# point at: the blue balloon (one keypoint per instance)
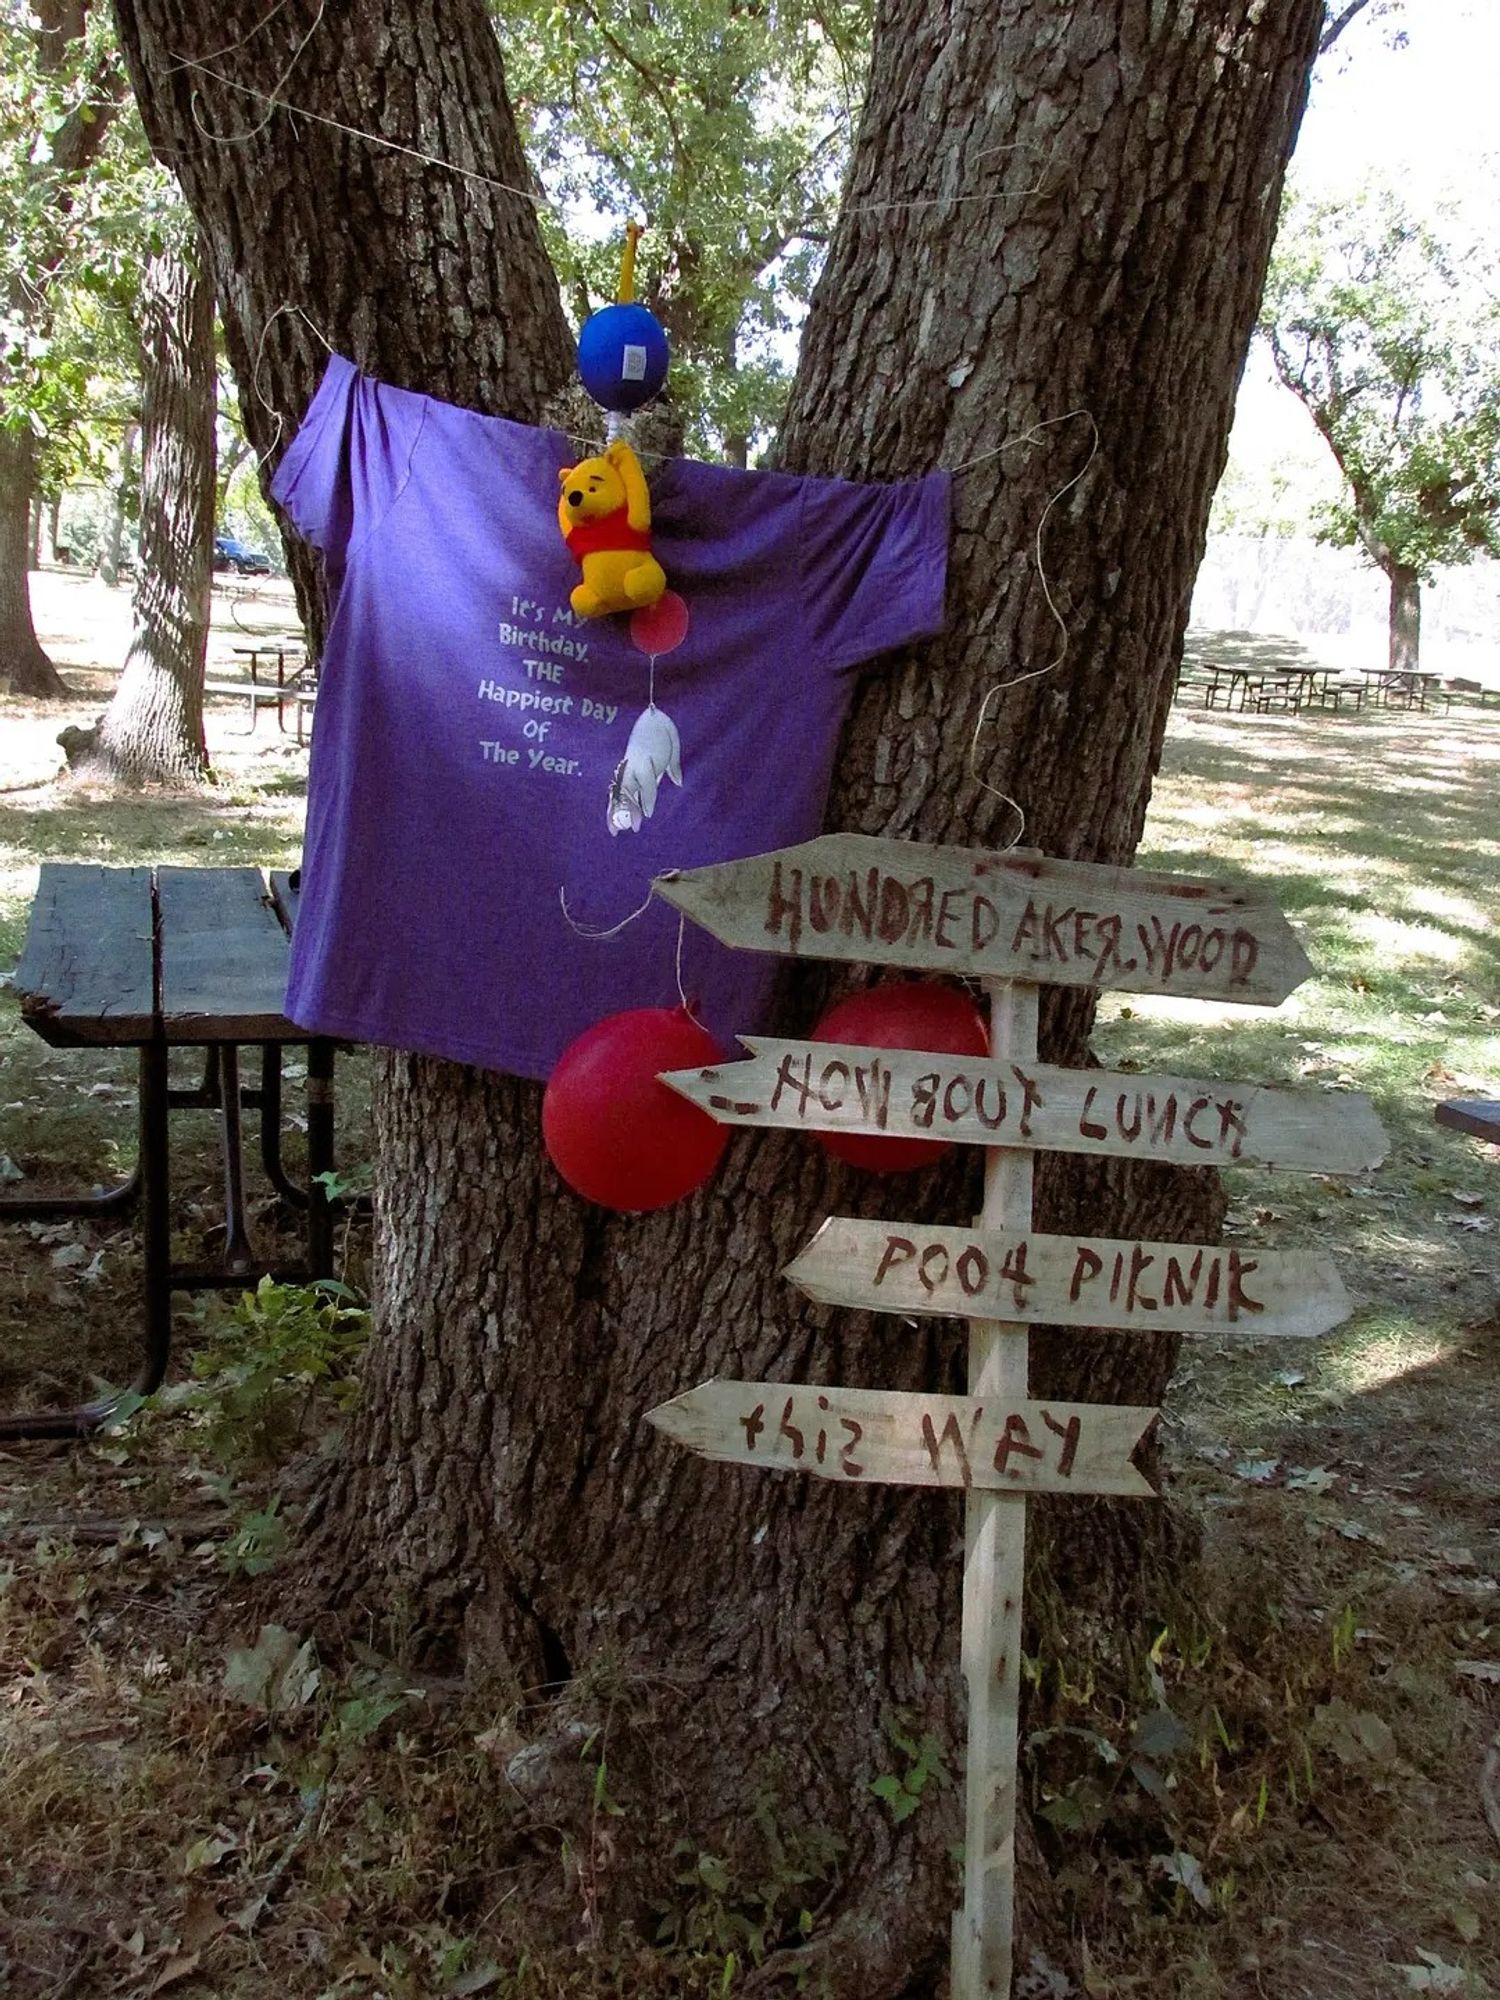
(622, 356)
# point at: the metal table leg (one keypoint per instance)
(319, 1158)
(239, 1250)
(268, 1101)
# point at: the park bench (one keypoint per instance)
(157, 959)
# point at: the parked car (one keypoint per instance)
(232, 555)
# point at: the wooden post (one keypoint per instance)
(994, 1579)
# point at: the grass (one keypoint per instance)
(1306, 1822)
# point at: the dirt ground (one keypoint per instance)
(1318, 1817)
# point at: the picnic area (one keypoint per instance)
(750, 1001)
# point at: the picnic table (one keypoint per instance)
(157, 959)
(1395, 687)
(1478, 1116)
(294, 686)
(1284, 686)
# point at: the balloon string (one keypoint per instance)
(687, 1005)
(589, 930)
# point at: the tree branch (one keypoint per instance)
(1336, 26)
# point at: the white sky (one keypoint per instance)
(1426, 117)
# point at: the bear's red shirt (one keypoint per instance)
(606, 532)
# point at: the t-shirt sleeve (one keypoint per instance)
(349, 460)
(874, 565)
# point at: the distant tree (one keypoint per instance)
(61, 87)
(153, 728)
(728, 130)
(1398, 363)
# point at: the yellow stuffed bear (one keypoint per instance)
(605, 517)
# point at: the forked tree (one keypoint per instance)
(1053, 214)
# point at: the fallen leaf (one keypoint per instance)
(69, 1254)
(207, 1853)
(477, 1979)
(275, 1674)
(1356, 1531)
(1465, 1920)
(1309, 1479)
(175, 1969)
(1434, 1976)
(1481, 1225)
(9, 1171)
(1355, 1736)
(1466, 1198)
(1479, 1670)
(1187, 1872)
(200, 1921)
(1257, 1471)
(1457, 1558)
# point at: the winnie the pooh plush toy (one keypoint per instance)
(605, 517)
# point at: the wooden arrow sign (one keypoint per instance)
(886, 1436)
(1008, 916)
(830, 1087)
(1070, 1281)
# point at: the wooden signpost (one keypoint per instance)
(1016, 920)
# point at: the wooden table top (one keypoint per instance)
(1478, 1116)
(116, 957)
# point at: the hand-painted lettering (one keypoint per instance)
(898, 1250)
(952, 1434)
(787, 1429)
(784, 905)
(1070, 1432)
(1239, 1299)
(1014, 1442)
(846, 1451)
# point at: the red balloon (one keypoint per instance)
(901, 1014)
(660, 627)
(616, 1135)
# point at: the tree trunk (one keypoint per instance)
(153, 729)
(1406, 619)
(54, 517)
(34, 533)
(498, 1481)
(230, 460)
(22, 661)
(114, 541)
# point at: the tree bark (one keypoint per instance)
(152, 730)
(498, 1484)
(54, 517)
(22, 660)
(34, 533)
(1405, 618)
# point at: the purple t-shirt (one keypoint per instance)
(470, 728)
